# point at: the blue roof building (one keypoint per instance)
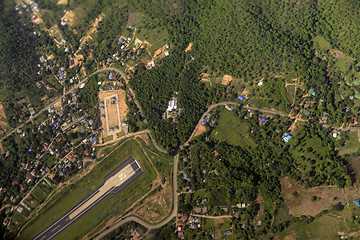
(64, 170)
(242, 98)
(204, 122)
(121, 40)
(61, 73)
(110, 76)
(249, 100)
(94, 139)
(357, 202)
(263, 119)
(287, 137)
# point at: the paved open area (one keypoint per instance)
(116, 181)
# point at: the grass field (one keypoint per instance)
(321, 42)
(232, 130)
(111, 206)
(108, 138)
(290, 92)
(39, 194)
(327, 226)
(352, 145)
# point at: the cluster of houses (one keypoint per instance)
(186, 221)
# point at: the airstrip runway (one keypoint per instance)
(114, 183)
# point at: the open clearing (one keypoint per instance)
(327, 226)
(114, 205)
(299, 202)
(70, 17)
(113, 112)
(352, 145)
(201, 129)
(232, 130)
(62, 2)
(226, 79)
(188, 48)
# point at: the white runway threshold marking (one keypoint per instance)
(114, 181)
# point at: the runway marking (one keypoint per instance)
(129, 172)
(114, 181)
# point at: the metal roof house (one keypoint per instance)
(242, 98)
(287, 137)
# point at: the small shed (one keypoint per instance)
(287, 137)
(242, 98)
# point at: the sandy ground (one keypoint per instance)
(77, 60)
(2, 111)
(159, 53)
(226, 79)
(188, 48)
(58, 104)
(112, 110)
(62, 2)
(299, 200)
(70, 17)
(201, 129)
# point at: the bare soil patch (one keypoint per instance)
(188, 48)
(2, 112)
(159, 53)
(200, 130)
(299, 200)
(226, 79)
(145, 138)
(132, 18)
(157, 206)
(58, 104)
(62, 2)
(114, 113)
(70, 17)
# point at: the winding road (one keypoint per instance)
(176, 157)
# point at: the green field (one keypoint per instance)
(39, 194)
(352, 145)
(108, 138)
(343, 64)
(233, 130)
(327, 226)
(112, 205)
(321, 43)
(290, 92)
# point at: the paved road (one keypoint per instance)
(114, 183)
(176, 160)
(71, 90)
(142, 222)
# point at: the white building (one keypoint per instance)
(172, 105)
